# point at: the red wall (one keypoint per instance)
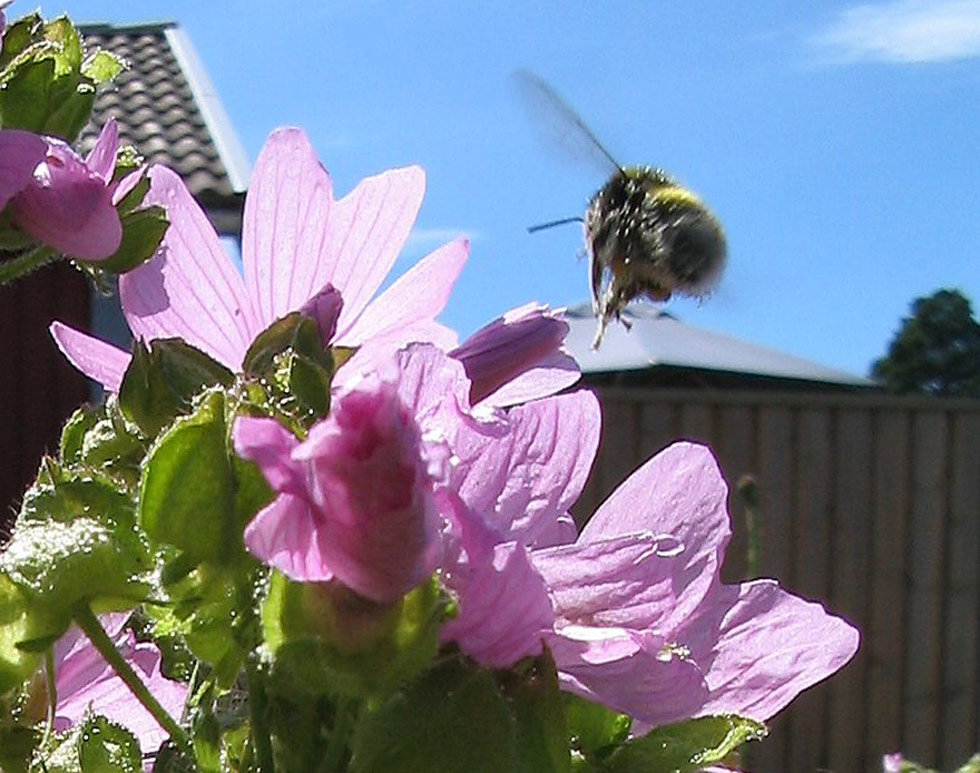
(38, 388)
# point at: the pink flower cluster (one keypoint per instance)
(464, 459)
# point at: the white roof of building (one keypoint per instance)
(657, 338)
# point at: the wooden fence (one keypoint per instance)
(870, 504)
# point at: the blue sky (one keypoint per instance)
(838, 142)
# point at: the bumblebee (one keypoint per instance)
(645, 234)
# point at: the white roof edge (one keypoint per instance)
(215, 118)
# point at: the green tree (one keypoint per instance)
(936, 351)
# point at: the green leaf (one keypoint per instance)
(25, 97)
(594, 730)
(188, 487)
(62, 32)
(105, 747)
(143, 230)
(687, 746)
(102, 66)
(70, 104)
(532, 692)
(161, 382)
(19, 36)
(476, 729)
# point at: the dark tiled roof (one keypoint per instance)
(165, 106)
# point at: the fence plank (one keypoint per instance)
(734, 444)
(811, 564)
(850, 581)
(697, 422)
(659, 427)
(773, 472)
(923, 629)
(882, 637)
(962, 597)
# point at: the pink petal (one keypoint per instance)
(85, 682)
(285, 535)
(523, 483)
(98, 360)
(372, 354)
(286, 230)
(625, 582)
(190, 288)
(434, 387)
(368, 228)
(759, 647)
(267, 443)
(629, 672)
(549, 376)
(419, 295)
(504, 609)
(680, 492)
(523, 341)
(101, 160)
(20, 153)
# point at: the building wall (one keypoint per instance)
(38, 388)
(870, 504)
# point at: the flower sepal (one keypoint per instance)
(100, 438)
(327, 640)
(520, 725)
(290, 361)
(162, 381)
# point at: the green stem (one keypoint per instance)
(259, 729)
(15, 268)
(343, 723)
(90, 625)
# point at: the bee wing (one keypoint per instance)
(561, 127)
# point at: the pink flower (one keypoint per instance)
(892, 763)
(298, 245)
(514, 476)
(356, 500)
(84, 681)
(60, 199)
(644, 625)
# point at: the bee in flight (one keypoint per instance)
(645, 234)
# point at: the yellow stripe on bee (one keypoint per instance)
(675, 194)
